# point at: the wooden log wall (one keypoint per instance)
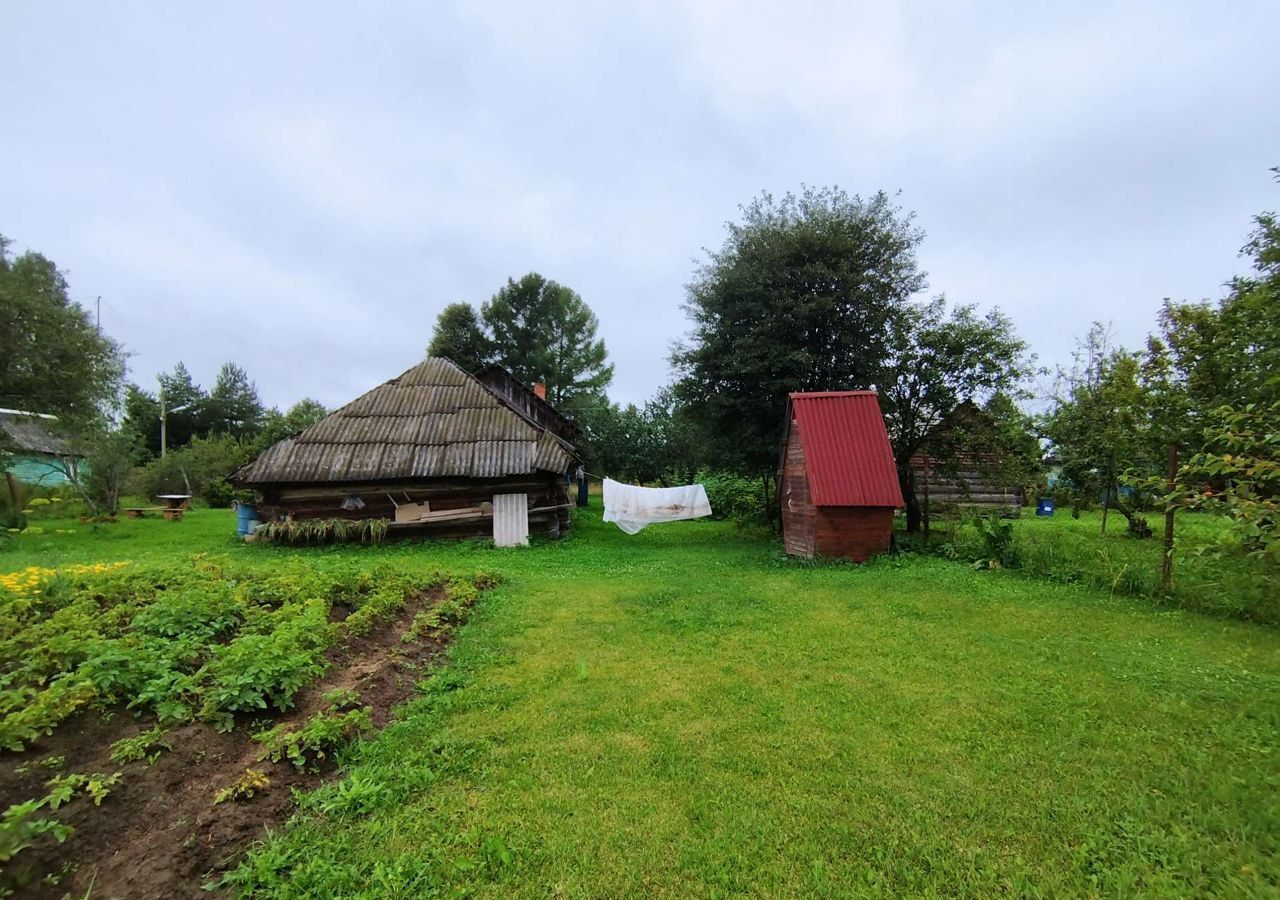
(548, 502)
(971, 485)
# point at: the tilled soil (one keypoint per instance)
(158, 834)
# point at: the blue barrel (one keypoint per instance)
(1044, 507)
(245, 513)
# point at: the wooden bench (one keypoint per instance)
(139, 512)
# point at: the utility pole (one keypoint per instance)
(164, 420)
(98, 304)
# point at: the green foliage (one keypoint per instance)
(148, 745)
(735, 497)
(541, 331)
(311, 532)
(20, 828)
(203, 466)
(96, 787)
(233, 407)
(250, 782)
(800, 297)
(458, 336)
(1241, 452)
(277, 426)
(1100, 425)
(940, 365)
(52, 357)
(997, 543)
(265, 670)
(651, 444)
(1213, 572)
(321, 735)
(177, 641)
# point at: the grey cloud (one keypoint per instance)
(301, 187)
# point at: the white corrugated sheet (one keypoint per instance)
(510, 520)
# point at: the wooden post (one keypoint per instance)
(1166, 572)
(926, 506)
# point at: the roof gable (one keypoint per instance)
(434, 421)
(847, 455)
(31, 432)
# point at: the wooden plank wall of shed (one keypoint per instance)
(853, 532)
(799, 517)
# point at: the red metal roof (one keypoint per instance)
(846, 449)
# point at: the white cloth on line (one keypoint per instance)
(631, 508)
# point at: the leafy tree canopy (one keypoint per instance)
(459, 336)
(542, 331)
(934, 362)
(801, 296)
(52, 358)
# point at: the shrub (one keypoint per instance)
(735, 497)
(204, 465)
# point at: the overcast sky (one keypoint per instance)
(302, 187)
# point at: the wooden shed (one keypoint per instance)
(837, 481)
(37, 455)
(434, 451)
(977, 473)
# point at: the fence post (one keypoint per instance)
(1166, 573)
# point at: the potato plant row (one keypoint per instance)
(199, 640)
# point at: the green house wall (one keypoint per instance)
(36, 469)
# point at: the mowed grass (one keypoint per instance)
(685, 713)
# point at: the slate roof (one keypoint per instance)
(434, 421)
(847, 455)
(30, 432)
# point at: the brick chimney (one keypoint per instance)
(540, 391)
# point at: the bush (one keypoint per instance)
(735, 497)
(204, 465)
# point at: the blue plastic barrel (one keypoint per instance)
(1044, 507)
(245, 513)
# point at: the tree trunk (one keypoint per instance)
(907, 481)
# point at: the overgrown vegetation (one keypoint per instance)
(1214, 571)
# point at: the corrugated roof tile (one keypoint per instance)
(846, 449)
(433, 421)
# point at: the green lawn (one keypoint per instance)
(685, 713)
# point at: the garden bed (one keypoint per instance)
(155, 830)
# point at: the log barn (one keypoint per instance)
(837, 482)
(976, 472)
(434, 451)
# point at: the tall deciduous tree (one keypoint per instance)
(542, 331)
(52, 357)
(459, 336)
(934, 362)
(801, 296)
